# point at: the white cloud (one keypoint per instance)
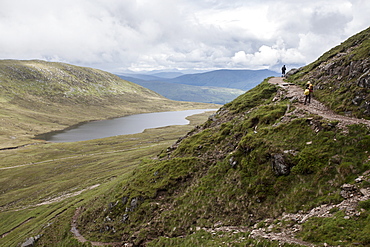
(149, 34)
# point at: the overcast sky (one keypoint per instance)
(121, 35)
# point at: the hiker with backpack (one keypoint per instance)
(307, 92)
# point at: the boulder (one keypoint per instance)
(279, 165)
(348, 191)
(31, 241)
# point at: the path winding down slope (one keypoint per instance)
(315, 107)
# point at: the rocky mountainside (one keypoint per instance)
(265, 170)
(341, 76)
(38, 97)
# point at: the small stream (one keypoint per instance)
(121, 126)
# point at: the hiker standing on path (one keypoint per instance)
(283, 69)
(307, 92)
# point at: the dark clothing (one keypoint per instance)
(283, 69)
(307, 98)
(309, 86)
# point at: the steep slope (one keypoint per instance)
(262, 165)
(257, 158)
(341, 76)
(38, 97)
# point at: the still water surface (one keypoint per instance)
(123, 126)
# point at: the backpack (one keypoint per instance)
(306, 92)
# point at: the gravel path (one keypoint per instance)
(315, 107)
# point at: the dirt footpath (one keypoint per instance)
(315, 107)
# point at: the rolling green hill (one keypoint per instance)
(262, 166)
(38, 97)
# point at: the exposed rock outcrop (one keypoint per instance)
(279, 165)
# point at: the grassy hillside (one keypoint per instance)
(38, 97)
(259, 159)
(222, 175)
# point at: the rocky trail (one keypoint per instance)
(315, 107)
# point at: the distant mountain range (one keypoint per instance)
(219, 86)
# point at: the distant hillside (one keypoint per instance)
(39, 96)
(167, 74)
(265, 166)
(219, 87)
(183, 92)
(154, 75)
(240, 79)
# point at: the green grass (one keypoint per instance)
(338, 230)
(197, 181)
(48, 171)
(216, 239)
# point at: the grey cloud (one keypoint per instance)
(326, 23)
(147, 34)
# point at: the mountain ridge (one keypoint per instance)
(218, 86)
(184, 92)
(240, 79)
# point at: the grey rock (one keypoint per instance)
(279, 165)
(31, 241)
(233, 162)
(134, 203)
(364, 80)
(124, 200)
(125, 218)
